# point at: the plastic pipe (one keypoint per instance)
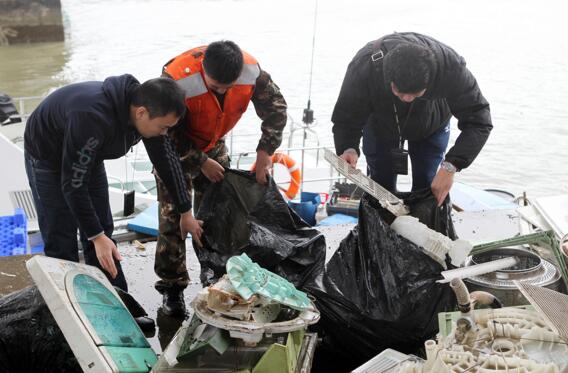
(431, 348)
(485, 298)
(478, 269)
(462, 295)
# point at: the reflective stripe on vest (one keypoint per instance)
(193, 85)
(249, 75)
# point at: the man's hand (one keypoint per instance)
(188, 224)
(263, 166)
(442, 184)
(106, 253)
(213, 170)
(350, 156)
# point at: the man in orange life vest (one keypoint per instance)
(219, 81)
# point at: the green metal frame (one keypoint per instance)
(546, 239)
(281, 358)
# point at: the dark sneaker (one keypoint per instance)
(145, 323)
(173, 303)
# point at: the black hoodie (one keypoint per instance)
(80, 125)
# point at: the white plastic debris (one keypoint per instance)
(478, 269)
(435, 244)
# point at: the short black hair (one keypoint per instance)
(160, 96)
(223, 61)
(409, 67)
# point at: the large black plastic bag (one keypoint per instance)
(30, 340)
(379, 290)
(241, 215)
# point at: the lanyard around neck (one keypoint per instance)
(398, 127)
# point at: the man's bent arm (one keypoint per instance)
(167, 164)
(471, 109)
(271, 108)
(352, 108)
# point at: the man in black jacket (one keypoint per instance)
(406, 86)
(66, 140)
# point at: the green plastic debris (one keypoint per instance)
(249, 278)
(200, 336)
(121, 337)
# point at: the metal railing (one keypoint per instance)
(25, 106)
(293, 127)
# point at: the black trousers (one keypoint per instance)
(57, 223)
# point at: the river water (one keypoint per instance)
(516, 49)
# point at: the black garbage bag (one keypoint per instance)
(379, 290)
(423, 206)
(241, 215)
(30, 340)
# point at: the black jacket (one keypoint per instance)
(79, 126)
(366, 97)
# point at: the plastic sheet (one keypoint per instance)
(241, 215)
(379, 290)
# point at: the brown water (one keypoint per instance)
(516, 49)
(33, 69)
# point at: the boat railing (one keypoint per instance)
(25, 106)
(305, 166)
(301, 153)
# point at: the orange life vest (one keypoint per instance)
(207, 122)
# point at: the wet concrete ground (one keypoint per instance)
(138, 265)
(13, 274)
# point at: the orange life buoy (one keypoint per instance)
(293, 169)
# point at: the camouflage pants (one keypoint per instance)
(170, 261)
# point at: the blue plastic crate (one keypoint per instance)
(13, 233)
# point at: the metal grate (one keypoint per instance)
(552, 305)
(546, 274)
(24, 199)
(387, 200)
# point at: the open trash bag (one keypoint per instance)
(243, 216)
(379, 290)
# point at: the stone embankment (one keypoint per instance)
(30, 21)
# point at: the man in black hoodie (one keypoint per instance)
(66, 140)
(406, 86)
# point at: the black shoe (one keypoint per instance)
(145, 323)
(173, 303)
